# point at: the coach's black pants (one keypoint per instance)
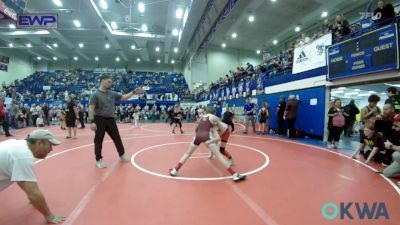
(110, 126)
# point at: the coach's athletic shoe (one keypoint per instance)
(173, 172)
(230, 161)
(124, 158)
(101, 164)
(238, 177)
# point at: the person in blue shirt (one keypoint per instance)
(249, 110)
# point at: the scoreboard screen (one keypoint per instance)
(372, 52)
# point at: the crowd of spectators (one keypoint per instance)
(47, 86)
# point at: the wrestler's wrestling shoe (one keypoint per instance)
(173, 172)
(238, 177)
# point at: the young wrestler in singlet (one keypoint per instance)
(206, 132)
(224, 133)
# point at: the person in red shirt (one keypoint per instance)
(3, 117)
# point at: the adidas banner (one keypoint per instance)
(312, 55)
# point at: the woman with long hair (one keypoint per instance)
(263, 116)
(72, 114)
(336, 123)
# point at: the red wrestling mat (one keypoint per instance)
(288, 183)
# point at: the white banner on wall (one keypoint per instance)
(312, 55)
(109, 70)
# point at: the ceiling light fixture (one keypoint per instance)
(297, 29)
(175, 50)
(133, 47)
(275, 42)
(55, 58)
(81, 45)
(138, 60)
(158, 61)
(76, 58)
(258, 52)
(175, 32)
(337, 92)
(324, 14)
(96, 58)
(141, 7)
(57, 3)
(39, 58)
(107, 46)
(77, 23)
(223, 45)
(251, 19)
(144, 27)
(11, 26)
(55, 45)
(352, 93)
(10, 45)
(103, 4)
(114, 25)
(179, 13)
(234, 35)
(157, 49)
(117, 59)
(172, 61)
(28, 45)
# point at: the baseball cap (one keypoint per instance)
(396, 118)
(43, 135)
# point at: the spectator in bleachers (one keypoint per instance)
(303, 40)
(393, 170)
(394, 98)
(341, 27)
(249, 68)
(384, 13)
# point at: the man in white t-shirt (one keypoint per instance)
(16, 165)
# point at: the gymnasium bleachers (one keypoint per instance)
(51, 86)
